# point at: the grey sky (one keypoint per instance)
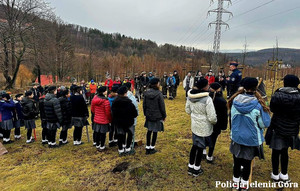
(184, 22)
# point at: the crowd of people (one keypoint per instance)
(114, 110)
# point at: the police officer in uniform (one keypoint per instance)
(234, 81)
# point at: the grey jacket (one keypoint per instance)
(154, 105)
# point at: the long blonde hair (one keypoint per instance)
(256, 94)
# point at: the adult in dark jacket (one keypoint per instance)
(43, 117)
(80, 114)
(163, 83)
(18, 116)
(155, 113)
(221, 79)
(220, 105)
(123, 112)
(144, 83)
(284, 129)
(53, 115)
(66, 110)
(176, 75)
(29, 113)
(7, 106)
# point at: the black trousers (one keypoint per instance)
(213, 140)
(113, 133)
(238, 162)
(52, 135)
(154, 138)
(45, 134)
(196, 155)
(17, 131)
(63, 135)
(164, 91)
(100, 139)
(29, 133)
(283, 157)
(77, 134)
(175, 91)
(171, 92)
(6, 134)
(186, 91)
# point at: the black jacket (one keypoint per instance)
(163, 81)
(42, 108)
(123, 112)
(66, 110)
(177, 79)
(79, 107)
(154, 105)
(285, 105)
(29, 110)
(221, 110)
(52, 109)
(144, 81)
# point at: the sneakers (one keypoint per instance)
(190, 169)
(150, 150)
(100, 149)
(44, 142)
(284, 177)
(275, 178)
(236, 183)
(77, 143)
(244, 186)
(30, 140)
(17, 137)
(122, 152)
(197, 171)
(209, 159)
(7, 141)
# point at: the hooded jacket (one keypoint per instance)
(154, 105)
(52, 109)
(221, 110)
(123, 112)
(285, 105)
(100, 107)
(248, 120)
(6, 109)
(28, 108)
(66, 110)
(203, 115)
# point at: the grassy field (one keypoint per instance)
(36, 167)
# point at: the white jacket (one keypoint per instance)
(203, 115)
(191, 82)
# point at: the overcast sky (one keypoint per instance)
(185, 22)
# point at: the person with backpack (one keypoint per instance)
(203, 116)
(155, 113)
(249, 117)
(53, 115)
(7, 106)
(80, 114)
(124, 113)
(18, 116)
(101, 111)
(43, 117)
(220, 105)
(171, 83)
(113, 137)
(30, 113)
(66, 111)
(284, 130)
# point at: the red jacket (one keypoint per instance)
(101, 109)
(211, 79)
(110, 85)
(117, 83)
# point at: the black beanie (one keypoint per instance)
(101, 90)
(28, 93)
(291, 81)
(51, 88)
(249, 83)
(154, 81)
(202, 83)
(128, 85)
(115, 89)
(122, 90)
(215, 86)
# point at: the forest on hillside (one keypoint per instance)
(31, 35)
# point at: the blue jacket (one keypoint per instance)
(6, 109)
(248, 120)
(111, 100)
(235, 78)
(169, 81)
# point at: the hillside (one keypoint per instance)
(255, 58)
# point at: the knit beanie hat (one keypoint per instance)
(154, 81)
(101, 90)
(51, 88)
(202, 83)
(122, 90)
(115, 89)
(215, 86)
(249, 83)
(291, 81)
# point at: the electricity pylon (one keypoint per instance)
(219, 22)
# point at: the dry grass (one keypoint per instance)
(35, 167)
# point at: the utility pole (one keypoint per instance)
(217, 38)
(244, 58)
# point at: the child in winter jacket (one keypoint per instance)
(155, 113)
(220, 105)
(203, 116)
(43, 117)
(249, 117)
(124, 113)
(18, 116)
(284, 130)
(66, 111)
(171, 83)
(7, 106)
(113, 139)
(29, 113)
(101, 110)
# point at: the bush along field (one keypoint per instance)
(36, 167)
